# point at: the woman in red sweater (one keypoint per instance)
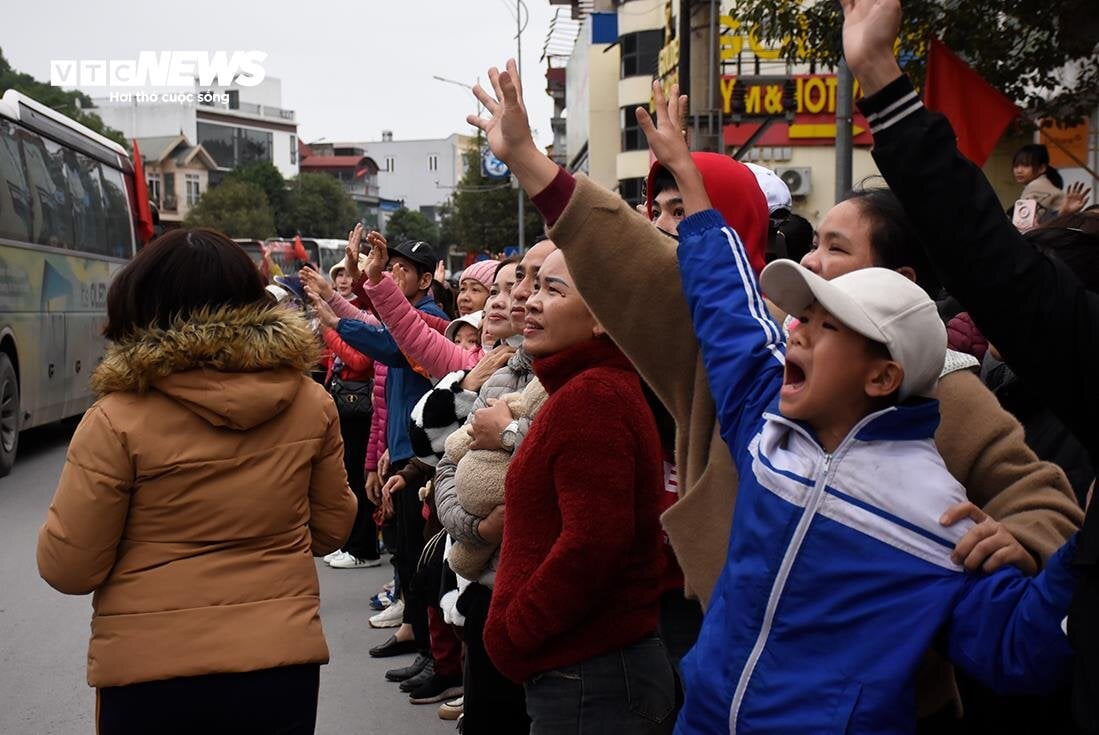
(576, 603)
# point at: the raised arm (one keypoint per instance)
(1028, 305)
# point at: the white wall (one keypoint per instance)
(412, 180)
(148, 119)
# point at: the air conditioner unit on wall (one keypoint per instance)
(798, 178)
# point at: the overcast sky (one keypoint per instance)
(349, 70)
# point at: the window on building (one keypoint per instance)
(152, 182)
(193, 189)
(390, 164)
(231, 147)
(433, 162)
(639, 53)
(293, 150)
(632, 137)
(170, 203)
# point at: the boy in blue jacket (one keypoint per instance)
(839, 575)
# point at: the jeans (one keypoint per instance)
(631, 690)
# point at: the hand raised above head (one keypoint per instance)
(378, 257)
(665, 136)
(870, 29)
(315, 281)
(507, 128)
(354, 238)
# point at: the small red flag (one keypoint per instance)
(299, 250)
(141, 194)
(978, 112)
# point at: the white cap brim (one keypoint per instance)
(794, 288)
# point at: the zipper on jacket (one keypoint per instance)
(792, 550)
(777, 588)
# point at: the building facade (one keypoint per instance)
(177, 174)
(422, 174)
(247, 125)
(354, 169)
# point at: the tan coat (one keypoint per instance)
(194, 496)
(628, 273)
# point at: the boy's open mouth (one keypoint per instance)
(793, 379)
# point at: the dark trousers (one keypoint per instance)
(363, 542)
(631, 690)
(493, 703)
(680, 624)
(280, 701)
(409, 540)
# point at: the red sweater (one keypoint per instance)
(581, 564)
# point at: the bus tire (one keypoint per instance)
(9, 414)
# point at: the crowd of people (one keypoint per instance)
(696, 466)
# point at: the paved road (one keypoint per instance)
(44, 634)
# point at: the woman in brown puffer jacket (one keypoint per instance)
(194, 495)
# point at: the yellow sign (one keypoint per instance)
(814, 94)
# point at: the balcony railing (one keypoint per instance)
(251, 109)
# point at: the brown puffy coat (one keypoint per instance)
(194, 496)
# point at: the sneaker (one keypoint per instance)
(352, 562)
(452, 710)
(406, 673)
(390, 617)
(426, 675)
(437, 689)
(328, 559)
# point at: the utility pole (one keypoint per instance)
(844, 112)
(519, 65)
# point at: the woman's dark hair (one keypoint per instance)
(1035, 155)
(661, 181)
(500, 267)
(444, 297)
(177, 274)
(893, 238)
(1076, 247)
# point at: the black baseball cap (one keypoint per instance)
(419, 252)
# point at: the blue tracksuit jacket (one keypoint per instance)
(838, 577)
(403, 385)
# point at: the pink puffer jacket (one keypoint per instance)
(416, 338)
(375, 445)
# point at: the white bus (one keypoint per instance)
(67, 225)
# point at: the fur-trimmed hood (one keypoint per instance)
(234, 366)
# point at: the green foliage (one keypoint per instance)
(405, 224)
(483, 214)
(267, 177)
(318, 206)
(1022, 47)
(237, 208)
(66, 102)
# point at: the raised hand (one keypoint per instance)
(870, 29)
(666, 135)
(315, 281)
(508, 127)
(324, 312)
(378, 258)
(1076, 198)
(352, 251)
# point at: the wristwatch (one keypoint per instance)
(509, 436)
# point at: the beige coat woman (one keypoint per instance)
(194, 495)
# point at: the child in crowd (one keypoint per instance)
(839, 575)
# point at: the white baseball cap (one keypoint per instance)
(473, 320)
(878, 303)
(774, 188)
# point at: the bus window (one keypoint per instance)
(15, 206)
(87, 194)
(120, 234)
(53, 224)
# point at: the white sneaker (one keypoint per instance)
(390, 617)
(347, 561)
(328, 559)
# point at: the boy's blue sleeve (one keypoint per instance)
(372, 340)
(742, 347)
(1006, 629)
